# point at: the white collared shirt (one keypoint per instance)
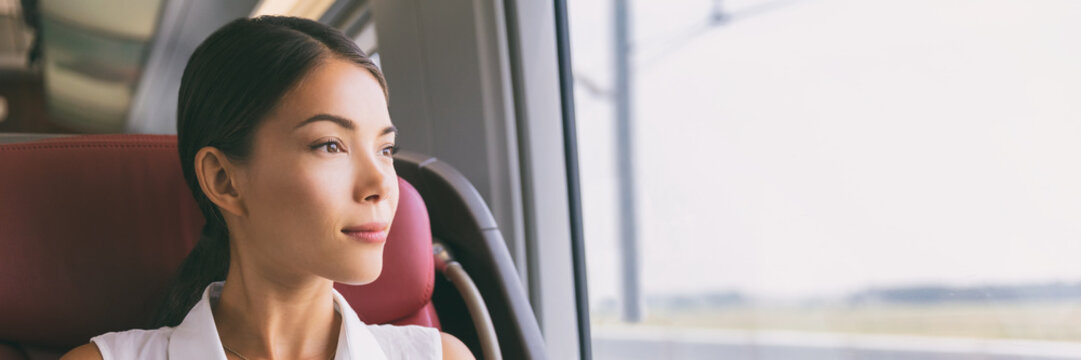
(197, 337)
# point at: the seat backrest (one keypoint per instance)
(462, 222)
(93, 228)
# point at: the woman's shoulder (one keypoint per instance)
(131, 344)
(85, 352)
(408, 341)
(418, 342)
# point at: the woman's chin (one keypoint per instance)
(365, 274)
(360, 267)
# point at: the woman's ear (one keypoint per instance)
(218, 178)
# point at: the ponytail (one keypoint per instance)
(206, 263)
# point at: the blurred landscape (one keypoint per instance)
(1049, 311)
(877, 177)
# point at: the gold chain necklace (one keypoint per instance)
(242, 357)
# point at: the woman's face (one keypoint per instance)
(319, 188)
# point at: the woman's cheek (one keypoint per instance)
(325, 191)
(295, 192)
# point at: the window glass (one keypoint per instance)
(832, 179)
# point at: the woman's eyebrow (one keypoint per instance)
(389, 130)
(343, 122)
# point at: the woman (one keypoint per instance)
(286, 143)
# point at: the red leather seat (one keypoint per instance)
(92, 229)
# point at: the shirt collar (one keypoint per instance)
(197, 337)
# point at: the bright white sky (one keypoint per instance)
(817, 147)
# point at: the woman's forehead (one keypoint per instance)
(338, 89)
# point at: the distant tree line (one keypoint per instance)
(994, 293)
(697, 301)
(924, 294)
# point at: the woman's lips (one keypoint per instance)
(368, 236)
(373, 232)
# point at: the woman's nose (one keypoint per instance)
(373, 180)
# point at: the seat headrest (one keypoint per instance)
(94, 227)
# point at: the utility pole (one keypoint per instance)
(628, 219)
(718, 16)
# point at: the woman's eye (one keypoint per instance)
(329, 146)
(390, 150)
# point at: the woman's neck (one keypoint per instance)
(262, 317)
